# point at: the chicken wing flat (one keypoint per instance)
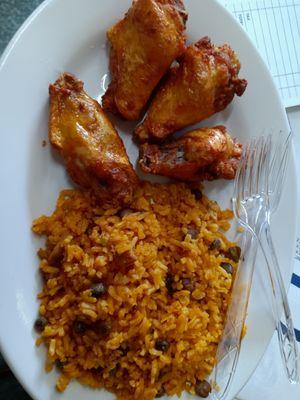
(204, 83)
(202, 154)
(94, 153)
(143, 46)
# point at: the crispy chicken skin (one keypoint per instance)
(202, 154)
(204, 82)
(143, 46)
(94, 154)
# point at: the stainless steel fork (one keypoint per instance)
(257, 192)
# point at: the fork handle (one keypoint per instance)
(230, 344)
(282, 313)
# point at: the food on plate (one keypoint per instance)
(94, 153)
(143, 46)
(202, 154)
(204, 82)
(135, 294)
(134, 299)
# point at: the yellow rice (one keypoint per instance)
(89, 239)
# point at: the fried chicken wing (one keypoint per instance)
(202, 154)
(94, 153)
(204, 83)
(143, 46)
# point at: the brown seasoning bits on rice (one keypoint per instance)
(129, 303)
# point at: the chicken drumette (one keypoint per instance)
(91, 147)
(202, 154)
(204, 82)
(143, 46)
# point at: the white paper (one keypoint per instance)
(274, 27)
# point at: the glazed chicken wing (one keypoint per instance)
(204, 83)
(202, 154)
(92, 149)
(143, 46)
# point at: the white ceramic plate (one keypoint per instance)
(69, 35)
